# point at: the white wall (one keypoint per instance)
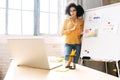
(88, 4)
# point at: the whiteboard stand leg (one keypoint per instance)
(106, 67)
(117, 67)
(81, 61)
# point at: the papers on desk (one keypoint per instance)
(62, 69)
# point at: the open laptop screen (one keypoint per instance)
(28, 52)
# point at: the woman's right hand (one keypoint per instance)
(75, 27)
(72, 29)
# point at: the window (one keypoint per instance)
(30, 17)
(2, 3)
(27, 22)
(2, 16)
(20, 17)
(14, 22)
(50, 13)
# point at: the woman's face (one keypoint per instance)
(73, 12)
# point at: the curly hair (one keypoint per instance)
(79, 9)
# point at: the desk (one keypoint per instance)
(106, 64)
(80, 73)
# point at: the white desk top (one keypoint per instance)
(80, 73)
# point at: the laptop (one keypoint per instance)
(31, 52)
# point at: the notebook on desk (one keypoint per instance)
(31, 52)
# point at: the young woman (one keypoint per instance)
(72, 29)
